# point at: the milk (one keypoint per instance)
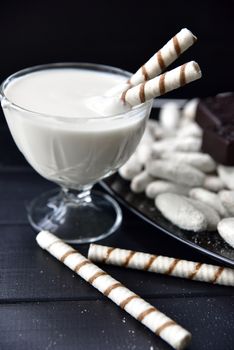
(64, 139)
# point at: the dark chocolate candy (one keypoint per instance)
(220, 144)
(215, 115)
(213, 112)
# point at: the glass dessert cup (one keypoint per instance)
(75, 153)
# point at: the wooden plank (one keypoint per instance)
(21, 185)
(102, 325)
(29, 273)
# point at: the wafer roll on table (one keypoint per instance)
(160, 85)
(164, 57)
(148, 315)
(162, 264)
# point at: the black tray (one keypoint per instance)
(209, 243)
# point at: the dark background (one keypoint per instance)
(119, 33)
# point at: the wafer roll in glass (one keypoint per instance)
(162, 84)
(164, 57)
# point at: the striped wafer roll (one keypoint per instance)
(160, 85)
(156, 321)
(164, 57)
(162, 264)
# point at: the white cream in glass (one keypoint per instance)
(67, 142)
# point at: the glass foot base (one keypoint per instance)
(75, 218)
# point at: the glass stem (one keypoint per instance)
(77, 196)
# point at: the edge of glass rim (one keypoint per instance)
(86, 65)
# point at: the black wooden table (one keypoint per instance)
(46, 306)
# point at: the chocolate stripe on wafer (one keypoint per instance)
(182, 75)
(125, 302)
(164, 326)
(145, 313)
(192, 275)
(108, 254)
(162, 88)
(164, 265)
(172, 266)
(176, 45)
(129, 257)
(160, 60)
(95, 276)
(123, 95)
(142, 93)
(67, 254)
(57, 241)
(144, 73)
(150, 262)
(80, 265)
(114, 286)
(217, 274)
